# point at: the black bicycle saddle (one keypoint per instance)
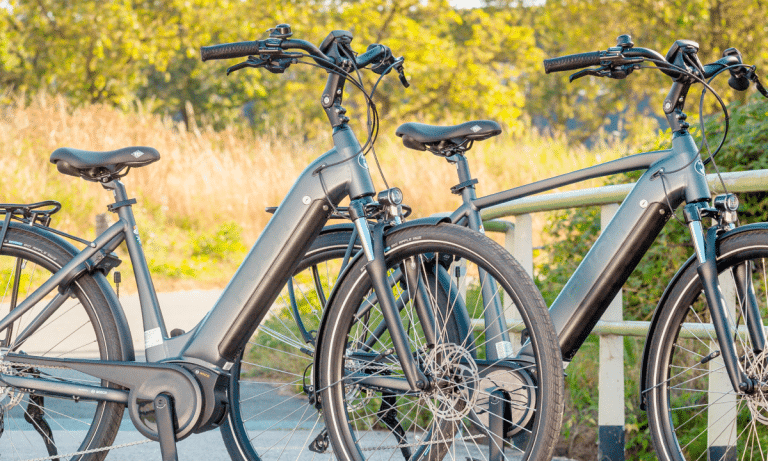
(419, 136)
(94, 165)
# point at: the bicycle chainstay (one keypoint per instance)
(76, 453)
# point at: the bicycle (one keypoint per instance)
(695, 347)
(67, 365)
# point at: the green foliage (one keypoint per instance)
(476, 63)
(572, 233)
(225, 242)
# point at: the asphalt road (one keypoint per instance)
(184, 310)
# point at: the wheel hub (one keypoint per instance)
(9, 396)
(757, 401)
(455, 373)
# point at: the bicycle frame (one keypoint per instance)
(247, 298)
(673, 177)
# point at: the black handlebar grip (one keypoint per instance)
(230, 50)
(572, 62)
(738, 80)
(373, 53)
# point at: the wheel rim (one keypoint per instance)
(274, 416)
(698, 412)
(415, 436)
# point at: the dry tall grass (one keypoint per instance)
(206, 177)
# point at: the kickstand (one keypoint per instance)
(166, 430)
(496, 429)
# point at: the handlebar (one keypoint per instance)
(620, 61)
(275, 48)
(231, 50)
(608, 57)
(573, 61)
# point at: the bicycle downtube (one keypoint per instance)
(707, 270)
(373, 246)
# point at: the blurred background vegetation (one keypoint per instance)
(102, 75)
(462, 63)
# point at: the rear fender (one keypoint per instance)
(124, 332)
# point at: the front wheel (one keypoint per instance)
(482, 399)
(693, 411)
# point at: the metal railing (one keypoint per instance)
(612, 327)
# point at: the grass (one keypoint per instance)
(217, 183)
(202, 205)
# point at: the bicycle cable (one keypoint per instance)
(727, 123)
(661, 173)
(372, 115)
(372, 134)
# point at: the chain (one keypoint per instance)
(92, 450)
(34, 365)
(78, 453)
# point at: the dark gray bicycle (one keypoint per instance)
(705, 365)
(424, 379)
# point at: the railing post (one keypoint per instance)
(610, 406)
(522, 242)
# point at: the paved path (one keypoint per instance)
(184, 310)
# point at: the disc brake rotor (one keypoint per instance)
(757, 401)
(9, 396)
(455, 372)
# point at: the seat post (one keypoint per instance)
(154, 327)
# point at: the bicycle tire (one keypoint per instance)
(29, 422)
(245, 429)
(693, 411)
(349, 404)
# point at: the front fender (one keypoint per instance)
(429, 221)
(655, 320)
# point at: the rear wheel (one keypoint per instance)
(40, 425)
(481, 398)
(270, 415)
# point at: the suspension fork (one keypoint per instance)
(707, 270)
(742, 275)
(373, 247)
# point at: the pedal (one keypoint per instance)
(166, 429)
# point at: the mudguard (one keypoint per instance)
(429, 221)
(668, 290)
(126, 342)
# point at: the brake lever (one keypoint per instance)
(401, 74)
(612, 70)
(599, 72)
(252, 61)
(752, 75)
